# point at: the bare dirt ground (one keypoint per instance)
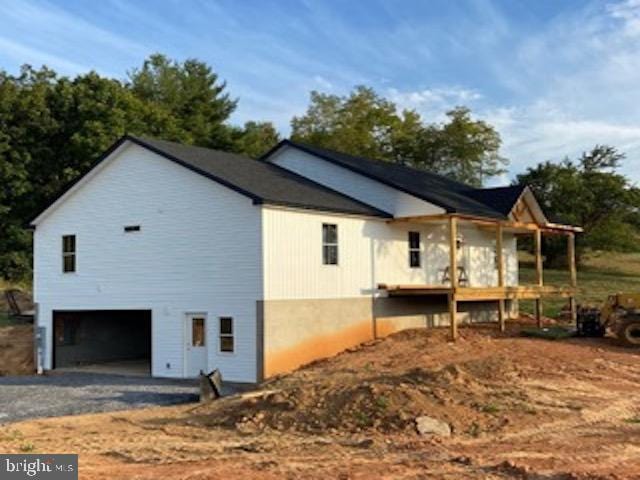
(518, 407)
(16, 350)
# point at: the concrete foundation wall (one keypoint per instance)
(297, 332)
(399, 313)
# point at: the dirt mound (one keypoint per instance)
(23, 298)
(16, 350)
(385, 394)
(519, 408)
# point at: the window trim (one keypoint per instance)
(414, 249)
(69, 254)
(231, 335)
(326, 245)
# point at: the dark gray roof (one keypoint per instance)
(453, 196)
(263, 182)
(501, 199)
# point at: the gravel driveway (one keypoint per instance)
(74, 393)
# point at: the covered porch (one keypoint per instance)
(457, 292)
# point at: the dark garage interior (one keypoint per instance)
(83, 338)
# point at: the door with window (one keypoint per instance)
(196, 344)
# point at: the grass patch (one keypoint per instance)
(492, 408)
(548, 333)
(5, 320)
(632, 420)
(602, 274)
(382, 402)
(27, 447)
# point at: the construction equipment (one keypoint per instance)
(620, 314)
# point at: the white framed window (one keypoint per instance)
(414, 250)
(227, 340)
(68, 253)
(329, 244)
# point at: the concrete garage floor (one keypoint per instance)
(73, 393)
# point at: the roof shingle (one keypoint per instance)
(453, 196)
(261, 181)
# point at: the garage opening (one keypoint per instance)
(106, 341)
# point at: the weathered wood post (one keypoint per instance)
(453, 275)
(500, 261)
(539, 278)
(573, 278)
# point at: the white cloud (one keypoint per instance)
(432, 103)
(19, 53)
(629, 12)
(584, 76)
(573, 85)
(540, 132)
(323, 83)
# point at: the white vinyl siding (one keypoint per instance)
(371, 252)
(371, 192)
(199, 251)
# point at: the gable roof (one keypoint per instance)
(501, 199)
(453, 196)
(262, 182)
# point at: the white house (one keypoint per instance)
(193, 259)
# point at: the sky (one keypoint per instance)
(555, 77)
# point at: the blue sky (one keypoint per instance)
(554, 76)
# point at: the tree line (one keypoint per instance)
(52, 129)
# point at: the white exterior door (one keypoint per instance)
(195, 345)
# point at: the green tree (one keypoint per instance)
(255, 138)
(53, 128)
(363, 123)
(191, 93)
(588, 192)
(461, 148)
(26, 124)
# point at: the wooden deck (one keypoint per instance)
(525, 292)
(501, 292)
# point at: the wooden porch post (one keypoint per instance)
(539, 278)
(453, 275)
(500, 261)
(573, 278)
(538, 252)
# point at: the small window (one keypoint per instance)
(226, 334)
(197, 332)
(68, 253)
(329, 244)
(132, 228)
(414, 249)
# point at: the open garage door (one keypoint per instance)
(103, 338)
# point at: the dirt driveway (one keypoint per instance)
(518, 408)
(26, 397)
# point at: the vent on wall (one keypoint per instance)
(132, 228)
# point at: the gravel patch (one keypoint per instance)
(76, 393)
